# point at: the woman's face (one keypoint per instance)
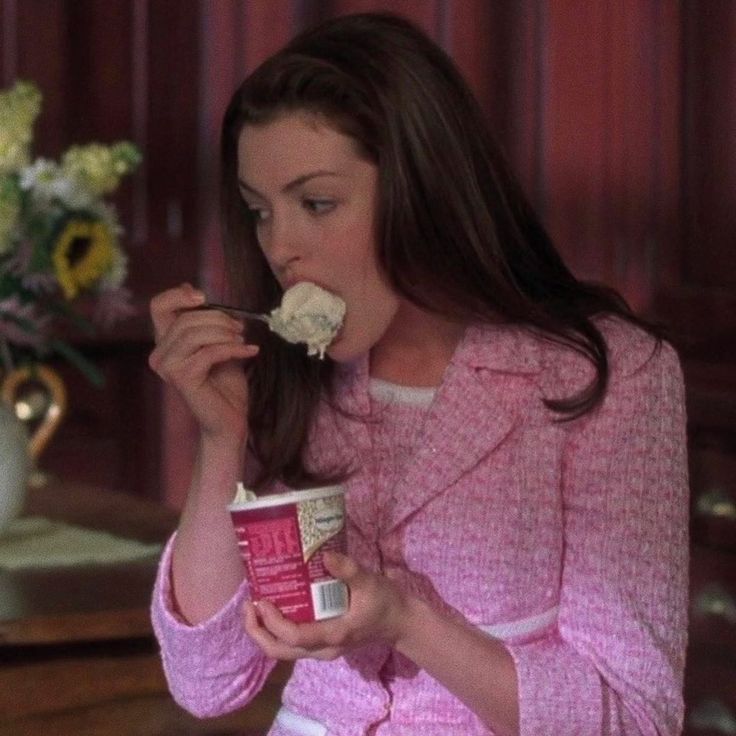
(314, 198)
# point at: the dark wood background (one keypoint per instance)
(618, 116)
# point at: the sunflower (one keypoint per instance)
(83, 253)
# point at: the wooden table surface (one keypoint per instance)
(77, 655)
(84, 602)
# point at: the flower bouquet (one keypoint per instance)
(60, 254)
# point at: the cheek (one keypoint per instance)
(352, 260)
(371, 308)
(369, 290)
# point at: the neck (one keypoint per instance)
(416, 348)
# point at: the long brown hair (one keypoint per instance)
(456, 236)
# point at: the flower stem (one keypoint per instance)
(6, 357)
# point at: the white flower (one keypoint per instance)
(72, 194)
(38, 174)
(47, 183)
(117, 273)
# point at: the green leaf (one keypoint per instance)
(61, 309)
(78, 361)
(9, 285)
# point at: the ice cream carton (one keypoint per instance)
(281, 538)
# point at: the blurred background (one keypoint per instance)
(619, 117)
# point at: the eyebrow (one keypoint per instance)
(303, 179)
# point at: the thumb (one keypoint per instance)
(341, 566)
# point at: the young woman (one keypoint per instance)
(511, 440)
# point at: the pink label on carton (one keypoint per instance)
(281, 540)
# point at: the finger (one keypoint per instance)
(164, 306)
(268, 643)
(277, 624)
(251, 619)
(180, 342)
(342, 567)
(311, 637)
(188, 321)
(278, 650)
(195, 371)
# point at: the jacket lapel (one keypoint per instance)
(475, 409)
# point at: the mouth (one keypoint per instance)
(339, 333)
(288, 283)
(294, 280)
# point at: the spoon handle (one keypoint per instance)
(235, 311)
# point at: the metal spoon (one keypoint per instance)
(236, 311)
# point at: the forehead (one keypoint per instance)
(291, 145)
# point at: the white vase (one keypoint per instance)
(15, 466)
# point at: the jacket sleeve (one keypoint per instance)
(615, 665)
(211, 668)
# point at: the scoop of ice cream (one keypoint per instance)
(308, 314)
(243, 495)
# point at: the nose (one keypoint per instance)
(281, 244)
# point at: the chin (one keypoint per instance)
(352, 343)
(341, 353)
(346, 351)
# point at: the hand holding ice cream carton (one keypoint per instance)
(282, 538)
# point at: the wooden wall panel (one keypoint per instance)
(267, 26)
(701, 301)
(669, 190)
(171, 147)
(41, 54)
(8, 40)
(175, 96)
(495, 47)
(605, 139)
(698, 291)
(428, 14)
(98, 90)
(220, 65)
(575, 134)
(476, 39)
(711, 145)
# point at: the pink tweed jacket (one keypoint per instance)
(567, 540)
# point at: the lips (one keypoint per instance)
(294, 280)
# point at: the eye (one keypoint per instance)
(259, 214)
(318, 206)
